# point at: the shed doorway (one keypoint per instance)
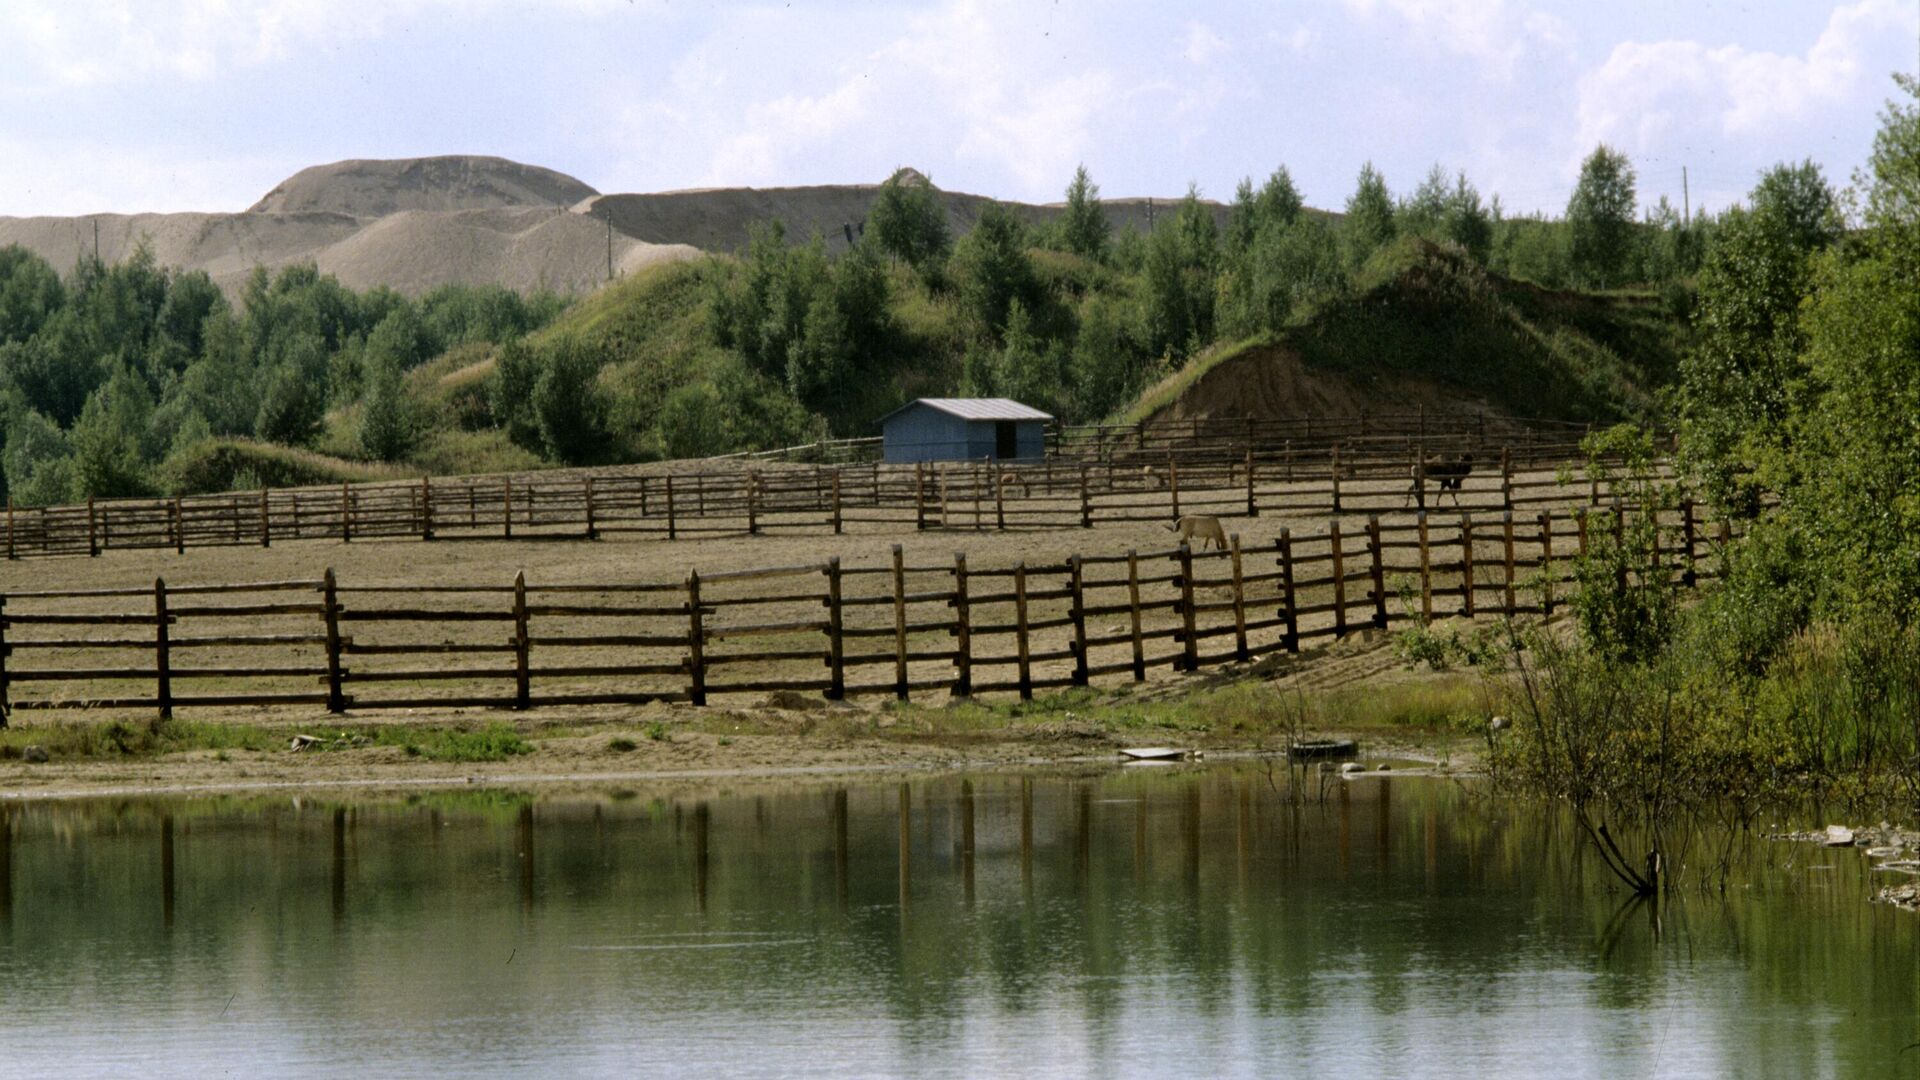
(1006, 440)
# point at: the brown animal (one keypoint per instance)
(1204, 526)
(1449, 473)
(1011, 479)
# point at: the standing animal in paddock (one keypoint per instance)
(1449, 473)
(1154, 478)
(1204, 526)
(1011, 479)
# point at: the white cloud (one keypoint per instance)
(1490, 31)
(76, 43)
(1648, 96)
(990, 88)
(1203, 45)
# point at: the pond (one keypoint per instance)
(1128, 922)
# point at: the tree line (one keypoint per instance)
(112, 376)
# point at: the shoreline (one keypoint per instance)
(682, 758)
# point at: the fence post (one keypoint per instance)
(1288, 609)
(1190, 649)
(1546, 563)
(962, 629)
(1078, 613)
(1020, 629)
(1239, 601)
(506, 506)
(522, 644)
(1336, 478)
(836, 650)
(10, 552)
(93, 539)
(999, 498)
(899, 624)
(753, 504)
(1506, 535)
(1086, 500)
(1580, 525)
(1620, 542)
(346, 512)
(1506, 478)
(673, 524)
(696, 643)
(834, 512)
(1466, 562)
(919, 496)
(1253, 509)
(162, 661)
(1339, 580)
(593, 518)
(1375, 549)
(1419, 478)
(1426, 575)
(1133, 612)
(6, 699)
(1687, 575)
(330, 617)
(179, 530)
(426, 508)
(1173, 483)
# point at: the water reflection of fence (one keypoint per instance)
(900, 629)
(1057, 493)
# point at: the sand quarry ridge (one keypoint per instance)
(413, 224)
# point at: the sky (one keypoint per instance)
(161, 105)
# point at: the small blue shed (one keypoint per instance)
(964, 429)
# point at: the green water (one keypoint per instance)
(1142, 922)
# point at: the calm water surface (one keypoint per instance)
(1146, 922)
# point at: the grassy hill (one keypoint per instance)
(1424, 325)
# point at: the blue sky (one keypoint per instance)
(133, 105)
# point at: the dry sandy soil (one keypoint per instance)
(739, 735)
(416, 223)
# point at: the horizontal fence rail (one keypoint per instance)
(1051, 494)
(908, 628)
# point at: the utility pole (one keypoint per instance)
(1686, 199)
(609, 217)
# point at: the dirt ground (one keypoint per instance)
(740, 735)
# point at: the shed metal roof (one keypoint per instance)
(975, 409)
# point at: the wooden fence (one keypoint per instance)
(1054, 494)
(1231, 436)
(904, 629)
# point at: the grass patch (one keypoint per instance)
(226, 464)
(1244, 710)
(622, 746)
(134, 738)
(495, 742)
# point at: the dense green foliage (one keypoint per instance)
(117, 380)
(107, 374)
(1801, 670)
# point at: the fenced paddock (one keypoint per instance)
(907, 626)
(1059, 493)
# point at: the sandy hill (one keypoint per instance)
(417, 223)
(379, 188)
